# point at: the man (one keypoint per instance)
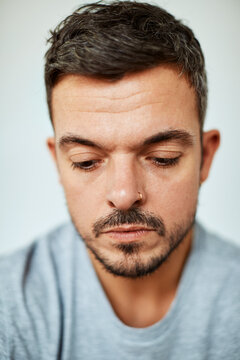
(135, 276)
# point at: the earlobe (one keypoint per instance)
(210, 144)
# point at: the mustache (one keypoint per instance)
(132, 216)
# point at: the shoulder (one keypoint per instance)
(58, 237)
(29, 281)
(17, 264)
(221, 262)
(220, 253)
(40, 256)
(216, 265)
(222, 259)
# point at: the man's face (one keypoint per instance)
(114, 140)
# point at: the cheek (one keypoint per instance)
(79, 197)
(183, 196)
(176, 196)
(74, 192)
(83, 198)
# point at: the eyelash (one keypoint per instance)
(91, 165)
(80, 165)
(165, 162)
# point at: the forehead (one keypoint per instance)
(149, 101)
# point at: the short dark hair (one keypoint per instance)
(108, 40)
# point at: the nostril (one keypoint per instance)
(111, 204)
(124, 200)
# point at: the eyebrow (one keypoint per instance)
(73, 139)
(181, 136)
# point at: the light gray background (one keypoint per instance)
(32, 201)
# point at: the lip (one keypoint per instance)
(128, 233)
(128, 229)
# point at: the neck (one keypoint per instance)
(143, 301)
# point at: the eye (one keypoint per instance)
(165, 162)
(85, 165)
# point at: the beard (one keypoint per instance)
(132, 264)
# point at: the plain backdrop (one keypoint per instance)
(31, 199)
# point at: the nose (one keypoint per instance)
(124, 185)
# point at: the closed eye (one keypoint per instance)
(85, 165)
(165, 162)
(90, 165)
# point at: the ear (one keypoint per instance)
(52, 149)
(210, 144)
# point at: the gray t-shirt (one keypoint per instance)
(52, 306)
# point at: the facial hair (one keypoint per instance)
(132, 264)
